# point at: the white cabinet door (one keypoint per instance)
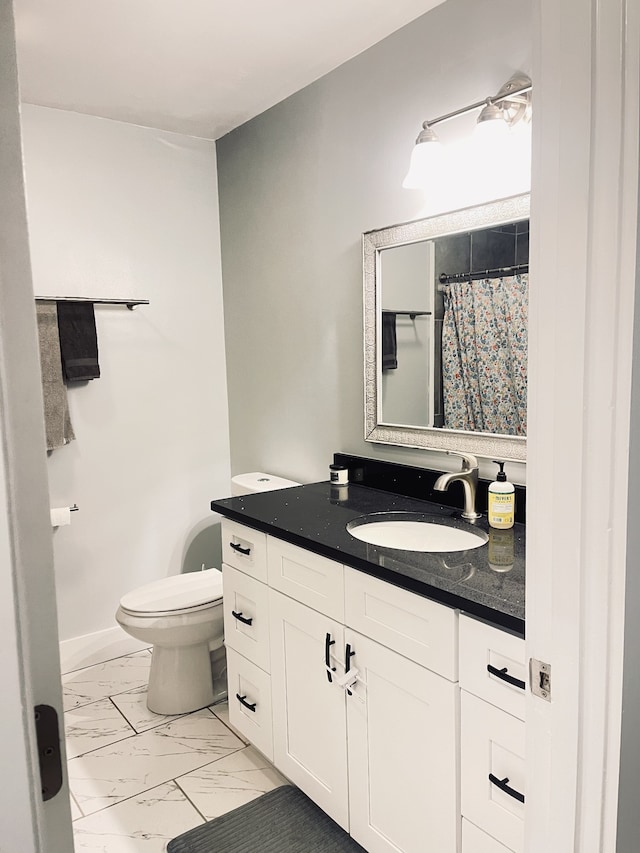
(403, 759)
(309, 717)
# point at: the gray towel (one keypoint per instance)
(56, 410)
(389, 341)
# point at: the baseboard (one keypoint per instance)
(98, 647)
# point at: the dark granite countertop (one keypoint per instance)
(478, 581)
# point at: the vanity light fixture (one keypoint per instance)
(510, 105)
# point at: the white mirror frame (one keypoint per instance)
(469, 219)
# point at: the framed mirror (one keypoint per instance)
(445, 331)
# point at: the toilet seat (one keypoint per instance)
(175, 595)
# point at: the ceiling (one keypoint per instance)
(199, 67)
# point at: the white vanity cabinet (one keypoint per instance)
(493, 683)
(349, 685)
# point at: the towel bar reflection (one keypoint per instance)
(411, 314)
(130, 303)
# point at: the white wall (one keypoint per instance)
(298, 186)
(117, 210)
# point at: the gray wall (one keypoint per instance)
(298, 185)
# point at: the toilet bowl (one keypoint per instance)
(182, 617)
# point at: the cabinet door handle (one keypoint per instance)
(237, 547)
(241, 618)
(504, 786)
(504, 675)
(251, 705)
(348, 654)
(328, 642)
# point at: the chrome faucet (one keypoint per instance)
(468, 476)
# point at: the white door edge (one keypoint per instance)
(29, 656)
(584, 214)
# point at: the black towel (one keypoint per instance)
(78, 341)
(389, 343)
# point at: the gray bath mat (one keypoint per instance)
(282, 821)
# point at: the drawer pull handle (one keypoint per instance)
(504, 675)
(504, 786)
(251, 705)
(241, 618)
(348, 654)
(328, 642)
(240, 550)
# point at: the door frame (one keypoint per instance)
(583, 263)
(29, 663)
(585, 189)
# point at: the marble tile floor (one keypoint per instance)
(138, 779)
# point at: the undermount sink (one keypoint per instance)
(408, 531)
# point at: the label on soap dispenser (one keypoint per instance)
(501, 509)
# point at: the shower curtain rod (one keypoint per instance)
(130, 303)
(447, 279)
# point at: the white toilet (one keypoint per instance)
(182, 618)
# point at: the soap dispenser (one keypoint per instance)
(502, 501)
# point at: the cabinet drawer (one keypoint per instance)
(246, 616)
(474, 840)
(307, 577)
(421, 630)
(250, 702)
(244, 549)
(493, 742)
(481, 647)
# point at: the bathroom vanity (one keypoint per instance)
(387, 684)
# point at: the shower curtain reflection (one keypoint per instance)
(484, 355)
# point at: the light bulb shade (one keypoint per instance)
(425, 159)
(491, 130)
(490, 113)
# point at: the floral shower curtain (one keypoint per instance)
(484, 355)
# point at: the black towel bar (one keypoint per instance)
(130, 303)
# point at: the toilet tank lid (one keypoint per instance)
(258, 481)
(175, 593)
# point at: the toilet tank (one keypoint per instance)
(258, 481)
